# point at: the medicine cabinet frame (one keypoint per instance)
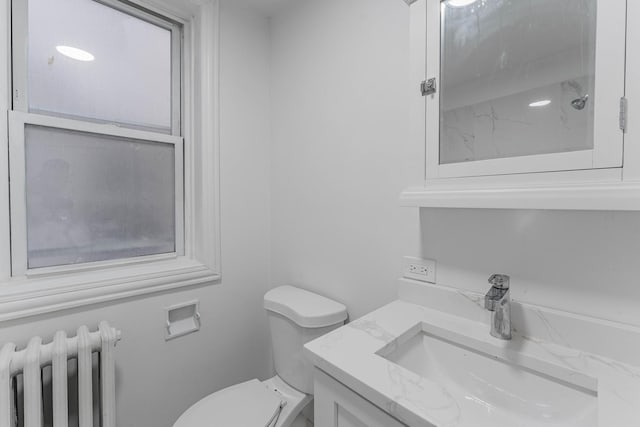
(606, 177)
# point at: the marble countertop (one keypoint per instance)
(350, 354)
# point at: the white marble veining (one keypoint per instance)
(600, 358)
(508, 126)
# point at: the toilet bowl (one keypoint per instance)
(295, 317)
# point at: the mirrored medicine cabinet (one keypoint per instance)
(525, 103)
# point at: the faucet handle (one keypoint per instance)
(500, 281)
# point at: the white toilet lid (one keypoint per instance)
(248, 404)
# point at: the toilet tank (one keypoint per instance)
(295, 317)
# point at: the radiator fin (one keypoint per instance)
(6, 382)
(37, 383)
(85, 374)
(107, 374)
(33, 385)
(59, 372)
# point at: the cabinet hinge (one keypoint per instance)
(623, 113)
(428, 87)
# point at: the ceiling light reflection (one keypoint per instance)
(541, 103)
(75, 53)
(459, 3)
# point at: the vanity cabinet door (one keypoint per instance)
(337, 406)
(523, 86)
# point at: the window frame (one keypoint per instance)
(17, 170)
(21, 116)
(29, 295)
(20, 65)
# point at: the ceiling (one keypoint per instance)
(265, 7)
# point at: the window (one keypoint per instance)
(96, 152)
(89, 60)
(112, 170)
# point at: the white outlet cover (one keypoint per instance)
(420, 269)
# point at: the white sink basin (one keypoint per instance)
(493, 392)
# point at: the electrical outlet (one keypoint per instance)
(420, 269)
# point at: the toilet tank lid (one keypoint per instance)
(305, 308)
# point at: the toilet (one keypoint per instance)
(295, 317)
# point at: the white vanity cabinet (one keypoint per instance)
(337, 406)
(526, 104)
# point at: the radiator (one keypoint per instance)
(29, 363)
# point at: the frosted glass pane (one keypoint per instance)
(94, 198)
(129, 79)
(517, 78)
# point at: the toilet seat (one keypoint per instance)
(249, 404)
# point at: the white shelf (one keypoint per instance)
(607, 196)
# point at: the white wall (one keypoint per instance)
(340, 149)
(582, 262)
(157, 380)
(341, 155)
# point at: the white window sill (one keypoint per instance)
(24, 297)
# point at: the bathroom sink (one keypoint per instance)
(490, 388)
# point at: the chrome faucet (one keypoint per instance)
(498, 301)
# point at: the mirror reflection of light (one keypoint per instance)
(542, 103)
(459, 3)
(75, 53)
